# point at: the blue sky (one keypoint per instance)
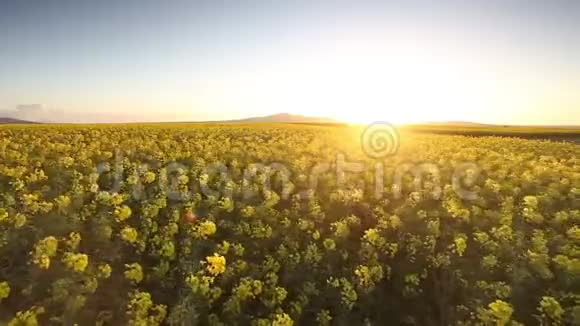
(488, 61)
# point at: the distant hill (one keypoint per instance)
(285, 117)
(15, 121)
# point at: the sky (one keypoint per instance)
(503, 62)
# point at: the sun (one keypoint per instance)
(362, 83)
(397, 88)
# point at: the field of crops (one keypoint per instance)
(187, 224)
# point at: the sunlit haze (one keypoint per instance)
(502, 62)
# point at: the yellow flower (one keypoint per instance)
(94, 188)
(19, 220)
(43, 262)
(3, 214)
(500, 311)
(282, 320)
(76, 262)
(4, 290)
(62, 202)
(122, 213)
(373, 237)
(329, 244)
(459, 245)
(551, 307)
(531, 202)
(104, 271)
(117, 199)
(362, 272)
(207, 228)
(200, 284)
(183, 179)
(74, 238)
(132, 179)
(28, 317)
(148, 177)
(129, 234)
(216, 264)
(574, 233)
(134, 272)
(43, 250)
(316, 235)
